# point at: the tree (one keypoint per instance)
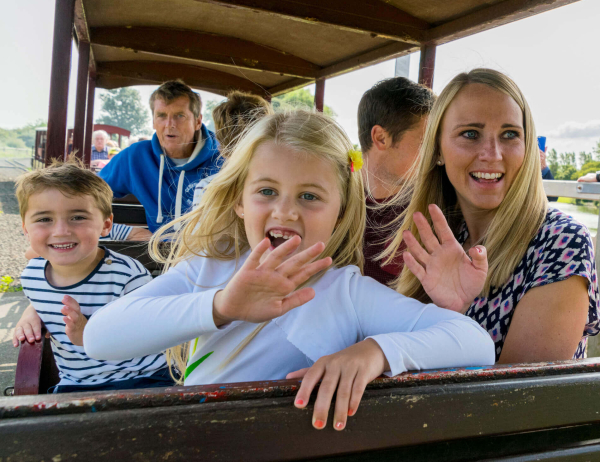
(207, 118)
(298, 99)
(552, 161)
(123, 108)
(597, 150)
(585, 157)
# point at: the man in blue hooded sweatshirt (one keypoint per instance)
(163, 172)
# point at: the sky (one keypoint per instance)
(553, 57)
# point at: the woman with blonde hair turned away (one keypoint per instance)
(479, 163)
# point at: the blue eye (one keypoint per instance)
(308, 197)
(78, 218)
(43, 220)
(267, 192)
(510, 134)
(470, 134)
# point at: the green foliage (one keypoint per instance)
(565, 172)
(552, 161)
(5, 285)
(123, 108)
(301, 98)
(207, 118)
(23, 137)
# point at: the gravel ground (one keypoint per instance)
(12, 242)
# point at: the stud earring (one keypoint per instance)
(242, 214)
(439, 162)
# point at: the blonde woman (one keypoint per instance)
(479, 163)
(251, 290)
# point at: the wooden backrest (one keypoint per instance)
(454, 414)
(139, 251)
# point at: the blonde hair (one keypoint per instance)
(71, 179)
(517, 219)
(233, 115)
(214, 230)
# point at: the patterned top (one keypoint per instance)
(99, 155)
(562, 248)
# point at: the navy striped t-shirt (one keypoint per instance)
(115, 276)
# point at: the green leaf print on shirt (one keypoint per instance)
(195, 364)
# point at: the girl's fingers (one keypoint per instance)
(310, 380)
(296, 299)
(342, 399)
(414, 266)
(295, 264)
(253, 260)
(276, 256)
(478, 256)
(415, 248)
(440, 224)
(297, 374)
(310, 270)
(429, 240)
(358, 390)
(324, 396)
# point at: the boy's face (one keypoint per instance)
(64, 230)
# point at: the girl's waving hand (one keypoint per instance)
(451, 279)
(265, 288)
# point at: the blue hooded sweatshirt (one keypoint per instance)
(166, 190)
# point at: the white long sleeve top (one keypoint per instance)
(177, 307)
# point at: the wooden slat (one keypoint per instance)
(427, 65)
(320, 95)
(59, 80)
(204, 47)
(89, 119)
(364, 16)
(273, 429)
(81, 99)
(156, 72)
(82, 30)
(490, 17)
(379, 55)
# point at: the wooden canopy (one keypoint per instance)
(265, 47)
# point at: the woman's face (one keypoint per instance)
(482, 143)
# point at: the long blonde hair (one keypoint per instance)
(214, 230)
(517, 219)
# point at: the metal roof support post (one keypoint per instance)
(80, 102)
(59, 80)
(320, 95)
(427, 65)
(89, 119)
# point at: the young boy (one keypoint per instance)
(65, 210)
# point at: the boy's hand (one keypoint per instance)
(263, 291)
(75, 321)
(29, 327)
(451, 279)
(349, 371)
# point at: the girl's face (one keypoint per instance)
(482, 144)
(288, 193)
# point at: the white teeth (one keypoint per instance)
(63, 246)
(487, 176)
(282, 234)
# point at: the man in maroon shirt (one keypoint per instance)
(391, 121)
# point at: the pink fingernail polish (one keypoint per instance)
(350, 412)
(478, 250)
(299, 402)
(319, 423)
(339, 425)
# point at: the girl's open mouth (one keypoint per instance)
(278, 237)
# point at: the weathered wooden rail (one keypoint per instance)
(457, 414)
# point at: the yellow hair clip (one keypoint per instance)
(356, 160)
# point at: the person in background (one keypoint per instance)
(111, 144)
(391, 120)
(546, 172)
(592, 177)
(112, 152)
(163, 173)
(99, 149)
(232, 117)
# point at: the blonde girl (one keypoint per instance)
(264, 281)
(479, 163)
